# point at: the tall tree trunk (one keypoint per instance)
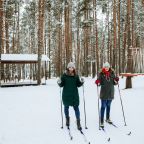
(59, 36)
(108, 41)
(124, 22)
(132, 33)
(40, 38)
(114, 36)
(119, 36)
(1, 23)
(49, 37)
(18, 39)
(129, 61)
(2, 37)
(86, 40)
(7, 43)
(67, 30)
(70, 30)
(78, 54)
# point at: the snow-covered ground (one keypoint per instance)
(32, 115)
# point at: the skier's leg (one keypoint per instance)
(108, 107)
(77, 114)
(103, 106)
(66, 111)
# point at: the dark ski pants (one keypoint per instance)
(105, 104)
(76, 109)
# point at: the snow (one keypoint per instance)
(32, 115)
(22, 57)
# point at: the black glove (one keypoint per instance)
(82, 80)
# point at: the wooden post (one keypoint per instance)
(128, 79)
(128, 82)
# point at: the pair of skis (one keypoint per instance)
(112, 124)
(81, 132)
(85, 138)
(103, 129)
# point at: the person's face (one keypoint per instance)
(107, 68)
(71, 69)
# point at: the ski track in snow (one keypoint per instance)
(32, 115)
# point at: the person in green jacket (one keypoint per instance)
(70, 82)
(106, 79)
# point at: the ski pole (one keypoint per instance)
(84, 108)
(122, 105)
(98, 106)
(61, 109)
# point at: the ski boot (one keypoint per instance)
(108, 120)
(67, 121)
(79, 125)
(101, 123)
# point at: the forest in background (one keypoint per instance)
(87, 32)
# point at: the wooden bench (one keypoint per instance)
(129, 78)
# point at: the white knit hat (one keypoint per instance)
(71, 64)
(106, 64)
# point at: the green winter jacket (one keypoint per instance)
(70, 84)
(107, 85)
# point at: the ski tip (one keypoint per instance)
(108, 139)
(129, 133)
(68, 128)
(102, 128)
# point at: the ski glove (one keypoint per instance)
(59, 81)
(97, 82)
(116, 79)
(82, 80)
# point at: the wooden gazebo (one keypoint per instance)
(25, 59)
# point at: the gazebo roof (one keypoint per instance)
(22, 58)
